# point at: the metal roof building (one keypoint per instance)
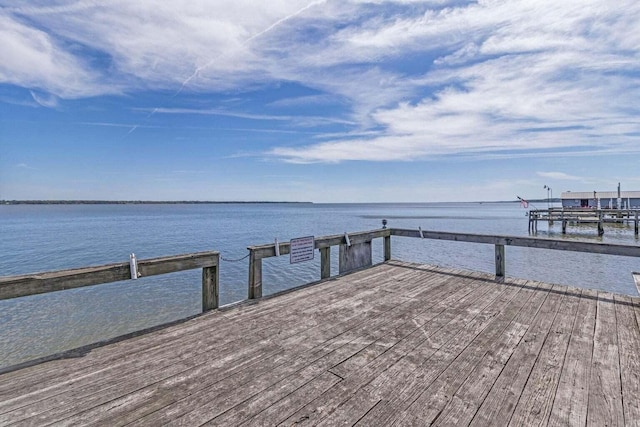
(601, 199)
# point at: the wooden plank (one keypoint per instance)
(402, 403)
(454, 368)
(266, 251)
(184, 349)
(153, 398)
(255, 276)
(409, 335)
(221, 335)
(168, 336)
(201, 411)
(387, 248)
(503, 396)
(527, 242)
(325, 263)
(343, 350)
(629, 350)
(354, 257)
(296, 399)
(431, 335)
(210, 291)
(537, 398)
(416, 315)
(184, 330)
(281, 392)
(38, 283)
(605, 392)
(103, 396)
(470, 395)
(500, 261)
(572, 395)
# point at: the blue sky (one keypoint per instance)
(323, 101)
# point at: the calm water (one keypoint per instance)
(50, 237)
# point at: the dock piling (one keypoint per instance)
(325, 262)
(255, 276)
(500, 261)
(210, 288)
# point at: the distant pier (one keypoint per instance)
(573, 216)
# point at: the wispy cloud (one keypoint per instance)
(299, 119)
(25, 166)
(45, 100)
(304, 101)
(418, 79)
(560, 176)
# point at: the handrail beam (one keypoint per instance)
(39, 283)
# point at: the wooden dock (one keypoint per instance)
(395, 344)
(582, 216)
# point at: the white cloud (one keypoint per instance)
(31, 58)
(421, 79)
(560, 176)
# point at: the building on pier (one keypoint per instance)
(601, 199)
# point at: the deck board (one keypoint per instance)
(571, 401)
(395, 344)
(605, 390)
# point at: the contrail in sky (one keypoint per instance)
(250, 39)
(244, 43)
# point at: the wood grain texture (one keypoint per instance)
(38, 283)
(396, 344)
(605, 390)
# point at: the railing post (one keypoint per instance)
(325, 262)
(210, 290)
(255, 275)
(387, 247)
(500, 261)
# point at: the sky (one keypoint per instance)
(320, 101)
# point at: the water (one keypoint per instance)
(51, 237)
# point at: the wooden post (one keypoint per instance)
(210, 291)
(636, 223)
(500, 261)
(255, 276)
(325, 262)
(387, 248)
(600, 225)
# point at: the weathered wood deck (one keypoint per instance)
(396, 344)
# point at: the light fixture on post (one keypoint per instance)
(549, 191)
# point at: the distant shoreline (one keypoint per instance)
(132, 202)
(210, 202)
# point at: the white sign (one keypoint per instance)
(302, 249)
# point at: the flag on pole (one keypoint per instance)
(523, 202)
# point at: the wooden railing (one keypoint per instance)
(526, 242)
(258, 253)
(584, 216)
(39, 283)
(32, 284)
(324, 244)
